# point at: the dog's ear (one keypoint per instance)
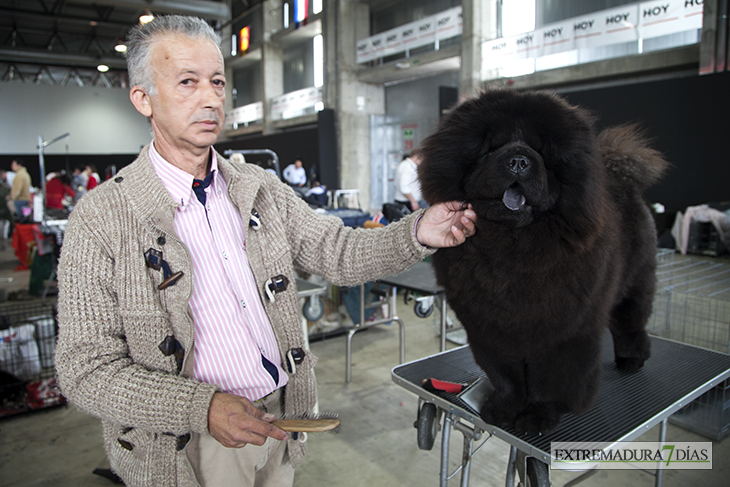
(441, 170)
(449, 154)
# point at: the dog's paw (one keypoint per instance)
(537, 421)
(629, 364)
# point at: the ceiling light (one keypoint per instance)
(147, 17)
(102, 68)
(120, 47)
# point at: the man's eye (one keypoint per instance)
(219, 82)
(186, 82)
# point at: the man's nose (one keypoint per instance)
(213, 96)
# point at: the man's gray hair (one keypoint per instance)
(141, 38)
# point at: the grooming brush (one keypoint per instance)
(308, 422)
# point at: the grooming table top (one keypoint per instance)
(419, 278)
(627, 404)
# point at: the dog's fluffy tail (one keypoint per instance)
(626, 152)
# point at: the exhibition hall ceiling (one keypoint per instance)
(63, 41)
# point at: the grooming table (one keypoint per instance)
(421, 279)
(626, 407)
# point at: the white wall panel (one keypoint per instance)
(100, 120)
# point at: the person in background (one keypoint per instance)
(295, 175)
(7, 177)
(92, 176)
(58, 186)
(110, 172)
(6, 211)
(407, 187)
(20, 189)
(317, 195)
(179, 321)
(79, 181)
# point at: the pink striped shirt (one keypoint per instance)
(232, 329)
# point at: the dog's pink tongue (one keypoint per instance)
(513, 199)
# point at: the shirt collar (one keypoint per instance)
(178, 182)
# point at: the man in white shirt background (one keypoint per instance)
(295, 175)
(407, 187)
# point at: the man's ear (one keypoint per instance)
(141, 100)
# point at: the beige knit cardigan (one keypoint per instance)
(113, 319)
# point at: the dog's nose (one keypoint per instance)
(518, 164)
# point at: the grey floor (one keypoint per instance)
(376, 445)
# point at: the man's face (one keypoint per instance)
(187, 109)
(14, 166)
(298, 163)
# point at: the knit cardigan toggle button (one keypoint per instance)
(170, 346)
(276, 284)
(254, 220)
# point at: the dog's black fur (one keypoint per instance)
(565, 247)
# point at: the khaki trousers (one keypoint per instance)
(250, 466)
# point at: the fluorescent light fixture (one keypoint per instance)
(319, 106)
(286, 15)
(318, 48)
(316, 6)
(146, 17)
(102, 68)
(234, 44)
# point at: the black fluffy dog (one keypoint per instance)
(565, 247)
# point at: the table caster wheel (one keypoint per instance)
(427, 425)
(313, 308)
(423, 309)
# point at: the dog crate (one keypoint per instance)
(27, 341)
(692, 305)
(704, 239)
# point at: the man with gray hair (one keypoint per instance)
(178, 318)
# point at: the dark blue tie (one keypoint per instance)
(200, 185)
(271, 369)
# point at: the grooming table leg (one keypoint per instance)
(359, 326)
(445, 436)
(351, 333)
(348, 355)
(443, 322)
(466, 460)
(362, 325)
(401, 324)
(470, 434)
(511, 467)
